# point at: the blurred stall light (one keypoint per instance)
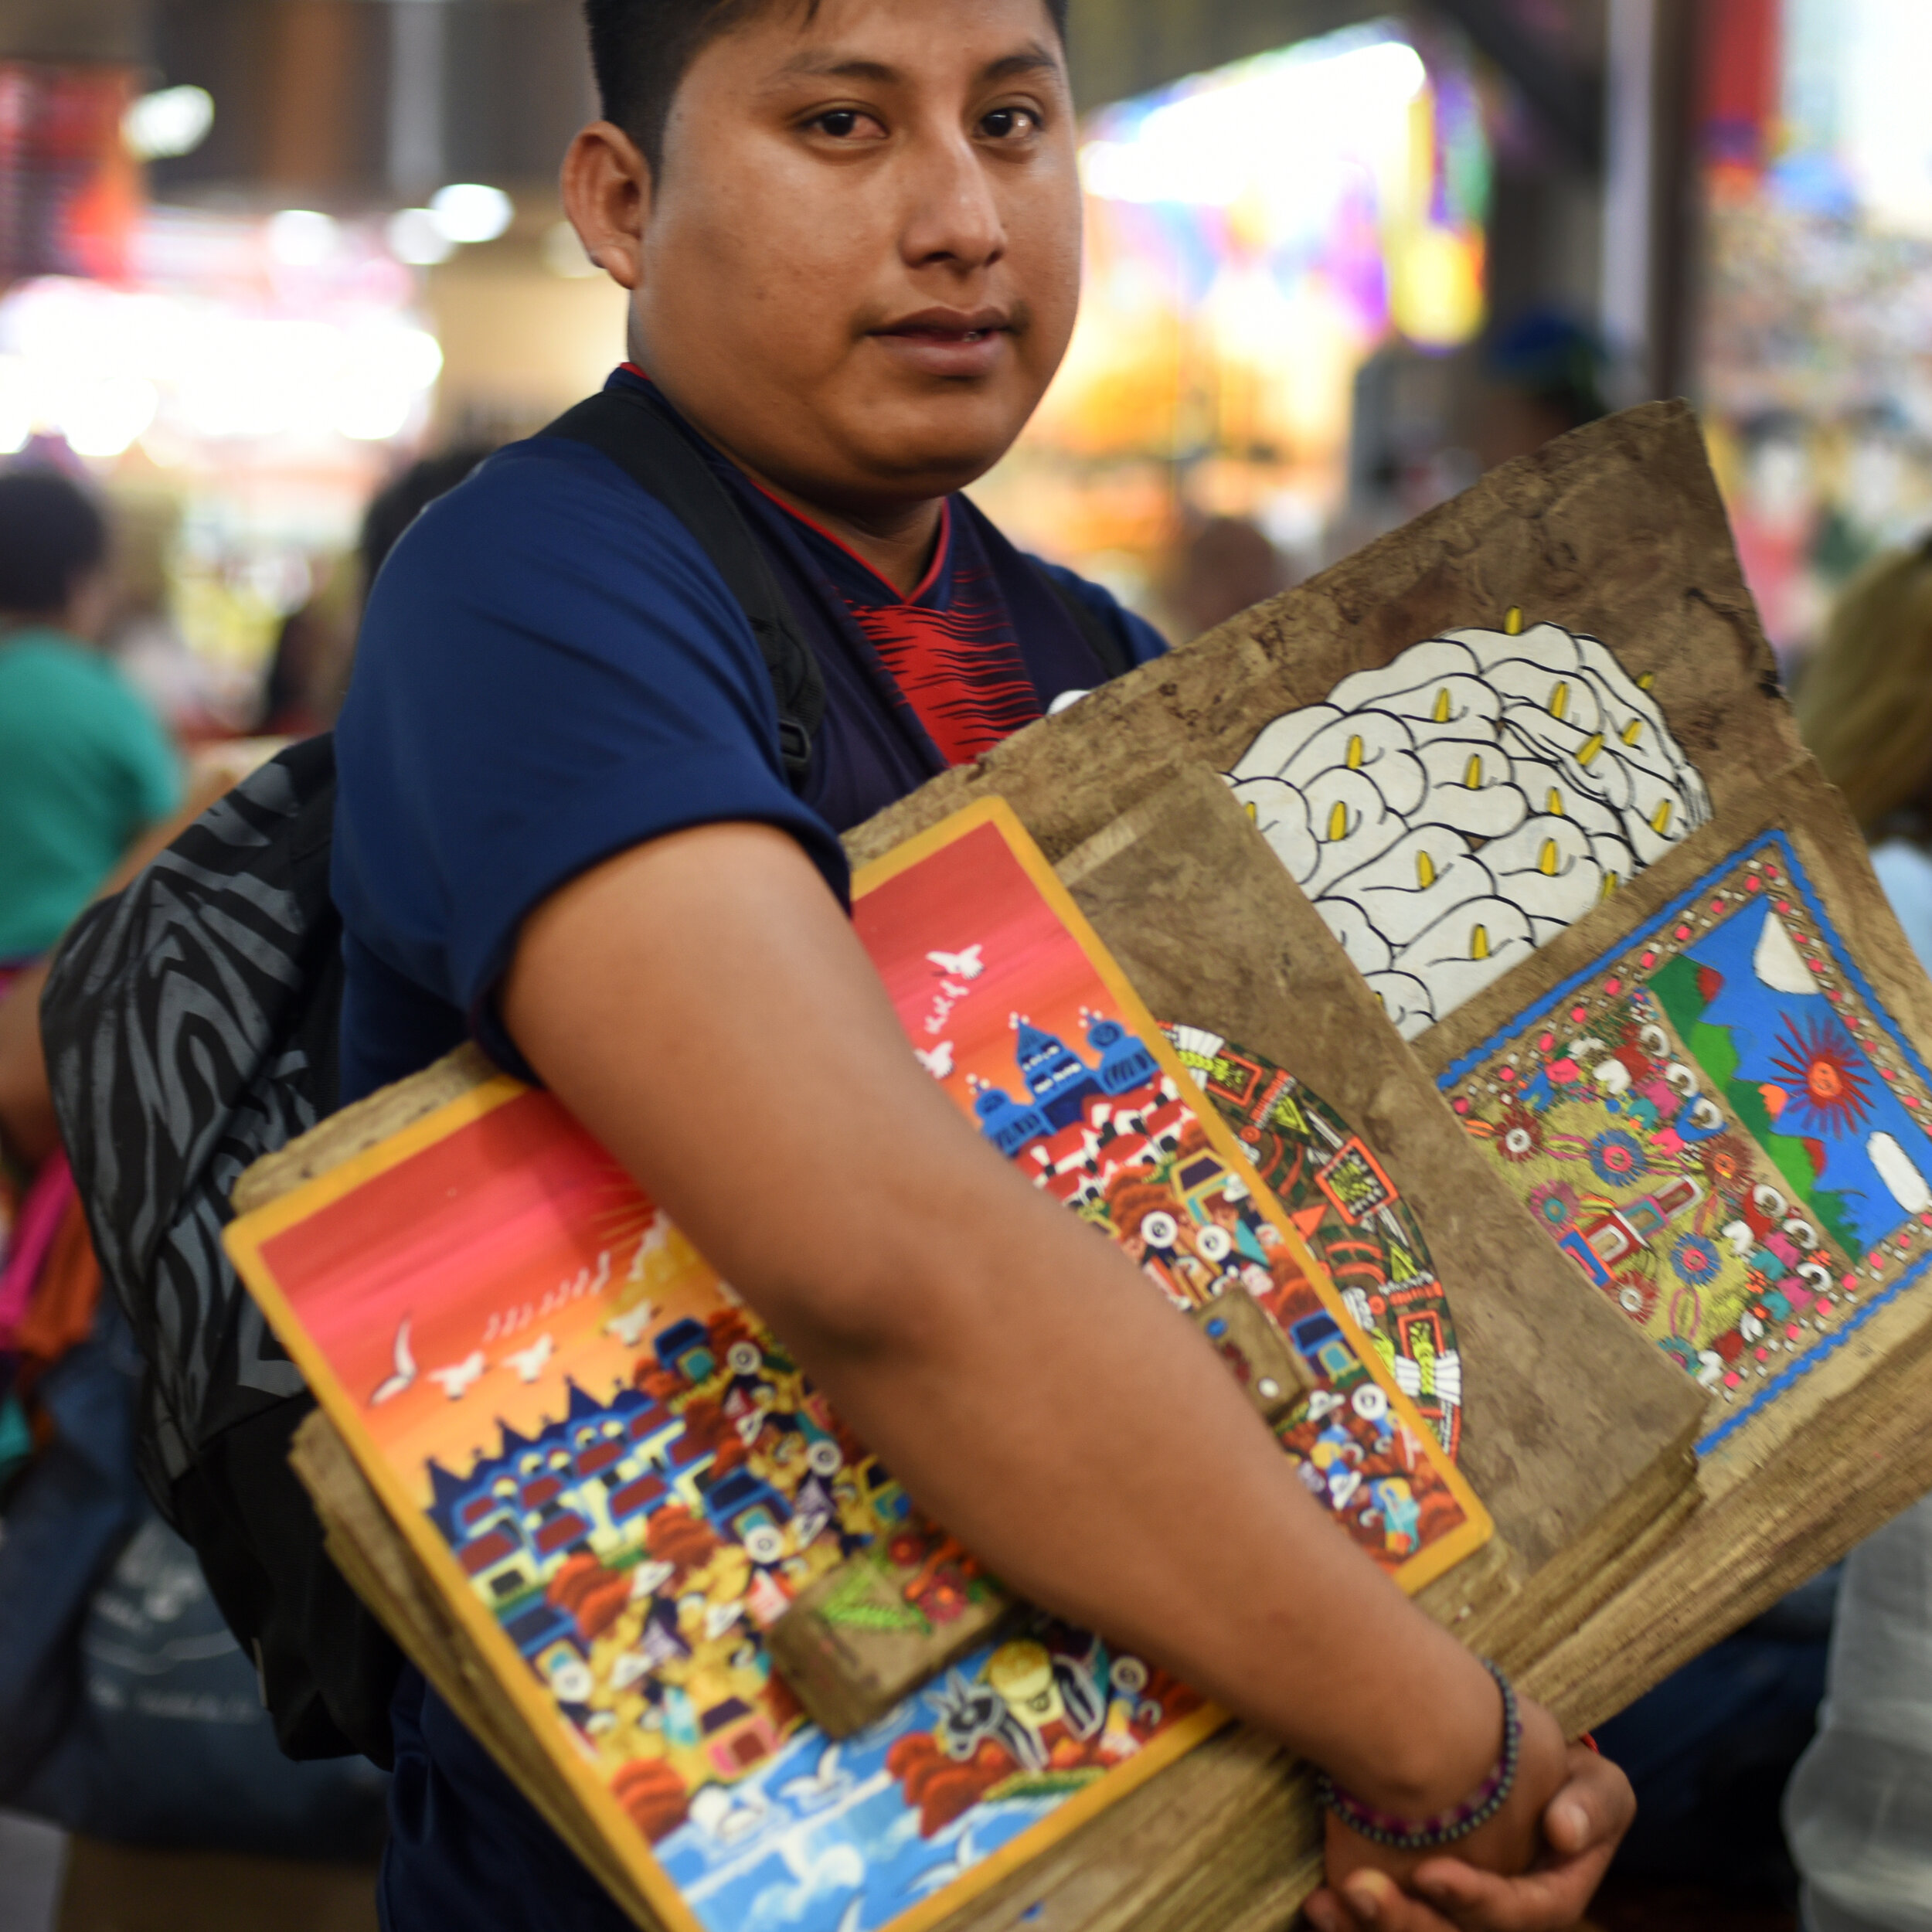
(171, 122)
(1262, 132)
(416, 236)
(563, 253)
(16, 404)
(383, 372)
(102, 419)
(303, 239)
(103, 367)
(467, 211)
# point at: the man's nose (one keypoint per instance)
(954, 217)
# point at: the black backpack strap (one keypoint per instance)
(637, 435)
(1102, 639)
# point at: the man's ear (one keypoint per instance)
(607, 194)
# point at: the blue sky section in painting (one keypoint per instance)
(819, 1839)
(1762, 1023)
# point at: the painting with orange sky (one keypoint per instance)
(621, 1479)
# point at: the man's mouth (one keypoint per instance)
(949, 326)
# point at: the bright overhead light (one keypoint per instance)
(16, 406)
(101, 419)
(563, 254)
(468, 211)
(175, 120)
(302, 238)
(1271, 127)
(416, 237)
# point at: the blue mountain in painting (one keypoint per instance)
(1813, 1079)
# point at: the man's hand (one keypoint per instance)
(1582, 1825)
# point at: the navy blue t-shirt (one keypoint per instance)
(550, 671)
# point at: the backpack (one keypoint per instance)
(190, 1024)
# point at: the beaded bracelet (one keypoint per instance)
(1403, 1835)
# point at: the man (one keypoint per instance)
(851, 233)
(84, 764)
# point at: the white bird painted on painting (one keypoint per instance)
(405, 1373)
(966, 1855)
(961, 965)
(456, 1379)
(938, 1062)
(816, 1786)
(656, 1235)
(528, 1362)
(630, 1326)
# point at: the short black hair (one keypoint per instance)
(641, 51)
(51, 535)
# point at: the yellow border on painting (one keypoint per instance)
(244, 1239)
(1477, 1527)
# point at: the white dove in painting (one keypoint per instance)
(456, 1379)
(630, 1326)
(528, 1362)
(938, 1061)
(405, 1373)
(961, 965)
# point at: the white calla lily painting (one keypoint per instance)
(1464, 804)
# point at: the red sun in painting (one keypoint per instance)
(1823, 1076)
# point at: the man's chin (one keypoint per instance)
(928, 459)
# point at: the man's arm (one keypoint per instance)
(1018, 1375)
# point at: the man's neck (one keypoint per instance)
(898, 545)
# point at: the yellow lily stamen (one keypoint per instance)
(1355, 753)
(1337, 822)
(1546, 859)
(1559, 700)
(1587, 751)
(1425, 870)
(1479, 943)
(1472, 773)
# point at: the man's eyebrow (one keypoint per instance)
(1034, 58)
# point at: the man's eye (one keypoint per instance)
(842, 123)
(1010, 123)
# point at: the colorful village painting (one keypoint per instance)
(624, 1480)
(1723, 1130)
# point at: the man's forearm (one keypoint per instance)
(1016, 1371)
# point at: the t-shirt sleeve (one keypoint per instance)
(550, 671)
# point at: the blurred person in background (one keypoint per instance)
(307, 676)
(1858, 1812)
(1227, 565)
(85, 765)
(1543, 375)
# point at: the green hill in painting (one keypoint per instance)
(1675, 987)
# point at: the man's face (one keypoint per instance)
(861, 258)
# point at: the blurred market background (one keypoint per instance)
(256, 255)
